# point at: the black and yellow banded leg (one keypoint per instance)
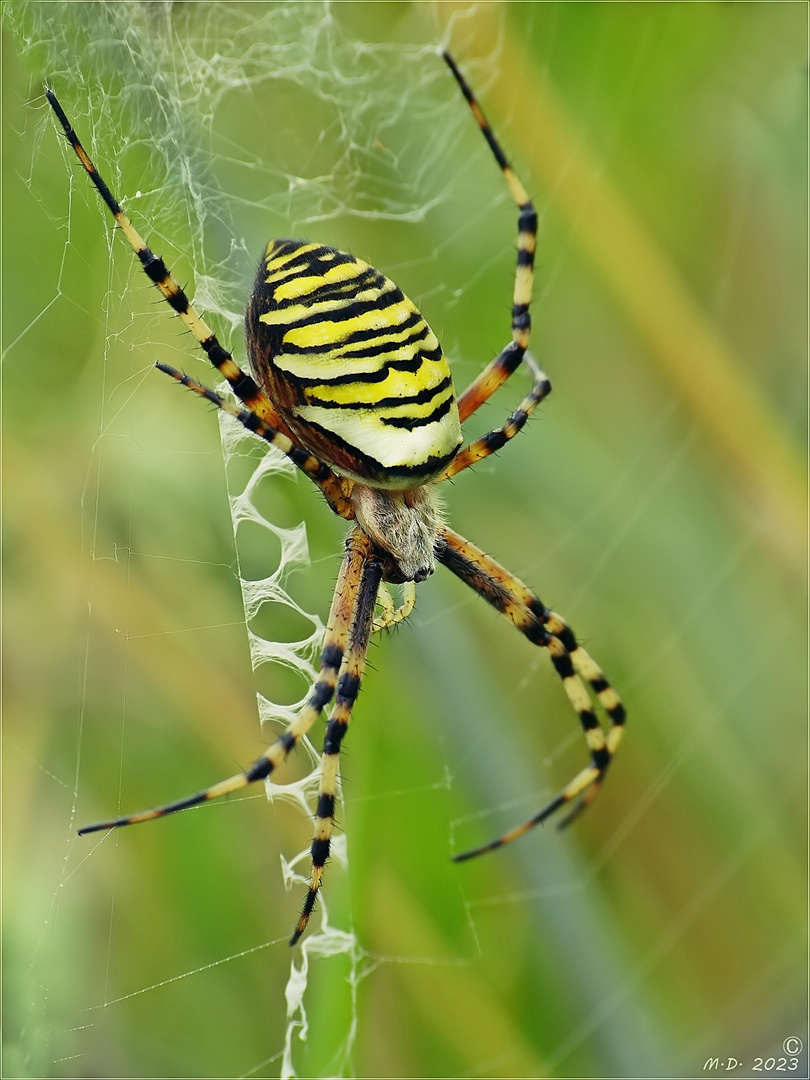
(242, 384)
(321, 475)
(334, 649)
(498, 371)
(525, 611)
(348, 687)
(496, 439)
(583, 663)
(159, 274)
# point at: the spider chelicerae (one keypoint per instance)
(352, 385)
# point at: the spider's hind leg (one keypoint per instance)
(333, 488)
(162, 278)
(497, 438)
(506, 363)
(575, 667)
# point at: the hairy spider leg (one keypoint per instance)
(508, 595)
(493, 440)
(320, 475)
(498, 370)
(359, 586)
(582, 662)
(159, 274)
(348, 687)
(337, 634)
(242, 384)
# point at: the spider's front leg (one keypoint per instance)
(348, 687)
(338, 641)
(507, 594)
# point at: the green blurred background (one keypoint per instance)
(657, 502)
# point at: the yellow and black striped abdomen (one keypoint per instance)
(352, 367)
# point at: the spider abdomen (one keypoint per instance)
(351, 365)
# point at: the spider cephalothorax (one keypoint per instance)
(351, 384)
(404, 527)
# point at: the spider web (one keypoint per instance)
(661, 932)
(151, 83)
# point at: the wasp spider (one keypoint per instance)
(351, 384)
